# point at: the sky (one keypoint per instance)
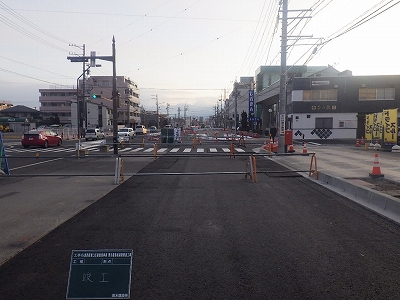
(187, 52)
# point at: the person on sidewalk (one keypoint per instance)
(272, 132)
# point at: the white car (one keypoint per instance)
(94, 134)
(126, 133)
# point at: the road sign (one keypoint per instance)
(100, 274)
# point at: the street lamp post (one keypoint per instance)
(80, 105)
(270, 116)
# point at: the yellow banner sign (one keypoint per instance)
(369, 121)
(377, 126)
(389, 126)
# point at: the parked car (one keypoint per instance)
(126, 132)
(94, 134)
(153, 129)
(140, 129)
(41, 138)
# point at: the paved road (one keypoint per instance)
(221, 236)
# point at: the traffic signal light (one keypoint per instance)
(94, 96)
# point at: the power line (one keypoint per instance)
(364, 20)
(29, 23)
(30, 77)
(18, 62)
(25, 32)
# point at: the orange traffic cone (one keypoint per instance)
(291, 148)
(265, 147)
(357, 143)
(376, 169)
(275, 147)
(270, 145)
(304, 148)
(362, 141)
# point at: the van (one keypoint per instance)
(140, 129)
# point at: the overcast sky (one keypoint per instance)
(187, 51)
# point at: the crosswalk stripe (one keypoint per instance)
(125, 150)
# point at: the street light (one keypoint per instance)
(270, 116)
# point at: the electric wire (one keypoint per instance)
(24, 31)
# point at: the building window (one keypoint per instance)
(376, 94)
(320, 95)
(323, 123)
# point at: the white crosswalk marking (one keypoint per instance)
(94, 149)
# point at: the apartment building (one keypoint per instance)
(56, 102)
(97, 107)
(100, 91)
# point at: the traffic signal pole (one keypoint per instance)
(115, 95)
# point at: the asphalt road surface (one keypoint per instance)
(221, 236)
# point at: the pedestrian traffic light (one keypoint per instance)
(94, 96)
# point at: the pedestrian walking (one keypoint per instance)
(272, 132)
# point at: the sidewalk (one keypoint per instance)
(346, 168)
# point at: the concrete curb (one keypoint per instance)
(383, 204)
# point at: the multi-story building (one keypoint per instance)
(96, 111)
(323, 103)
(56, 102)
(128, 108)
(238, 101)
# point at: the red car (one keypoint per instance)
(42, 138)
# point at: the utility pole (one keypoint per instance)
(282, 82)
(115, 95)
(115, 98)
(157, 110)
(80, 104)
(185, 109)
(179, 116)
(168, 105)
(236, 94)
